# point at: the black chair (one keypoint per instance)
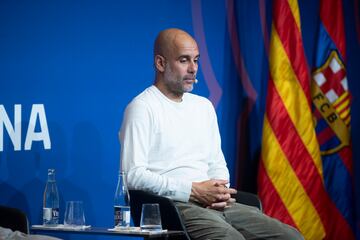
(170, 216)
(248, 199)
(14, 219)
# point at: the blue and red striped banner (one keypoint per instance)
(292, 184)
(331, 99)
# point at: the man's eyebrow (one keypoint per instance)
(184, 56)
(188, 56)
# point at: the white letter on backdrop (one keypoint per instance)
(14, 131)
(37, 111)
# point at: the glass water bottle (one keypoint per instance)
(122, 202)
(51, 200)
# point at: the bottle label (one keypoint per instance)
(127, 217)
(122, 216)
(47, 214)
(55, 213)
(50, 214)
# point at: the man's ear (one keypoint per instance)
(160, 63)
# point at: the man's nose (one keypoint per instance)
(192, 67)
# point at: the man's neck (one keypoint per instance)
(170, 95)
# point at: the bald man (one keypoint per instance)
(170, 146)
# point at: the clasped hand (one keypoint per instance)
(212, 193)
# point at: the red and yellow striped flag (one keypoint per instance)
(290, 179)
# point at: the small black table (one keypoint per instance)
(104, 231)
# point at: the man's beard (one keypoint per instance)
(175, 83)
(175, 87)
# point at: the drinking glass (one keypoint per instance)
(150, 217)
(74, 214)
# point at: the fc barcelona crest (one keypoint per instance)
(331, 99)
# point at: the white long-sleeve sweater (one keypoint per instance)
(167, 145)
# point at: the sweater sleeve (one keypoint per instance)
(217, 164)
(135, 138)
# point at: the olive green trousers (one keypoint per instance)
(235, 222)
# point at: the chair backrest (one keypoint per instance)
(170, 216)
(14, 219)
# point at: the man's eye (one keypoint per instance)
(183, 60)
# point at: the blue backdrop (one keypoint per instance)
(72, 66)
